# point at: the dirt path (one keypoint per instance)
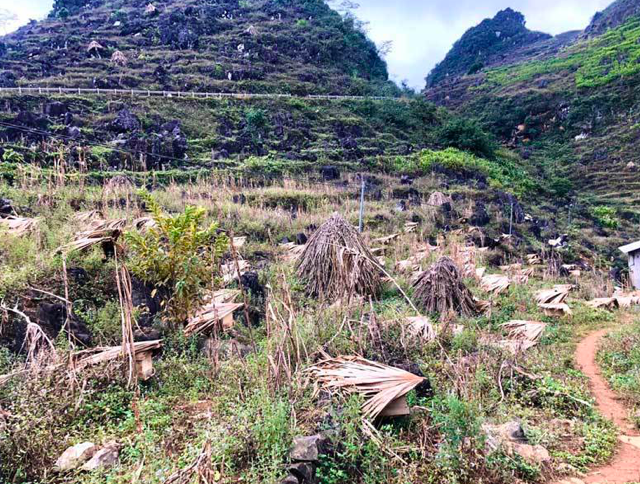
(625, 466)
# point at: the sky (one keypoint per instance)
(422, 31)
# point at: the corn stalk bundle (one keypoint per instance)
(94, 45)
(440, 289)
(336, 262)
(379, 384)
(119, 59)
(18, 226)
(556, 295)
(526, 333)
(495, 284)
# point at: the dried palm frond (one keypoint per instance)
(440, 289)
(230, 271)
(556, 309)
(380, 384)
(95, 356)
(385, 240)
(483, 307)
(495, 284)
(526, 333)
(99, 231)
(511, 268)
(293, 251)
(410, 227)
(534, 259)
(222, 296)
(337, 263)
(522, 276)
(239, 242)
(88, 217)
(407, 266)
(18, 226)
(626, 301)
(220, 314)
(603, 303)
(556, 295)
(438, 199)
(144, 223)
(480, 272)
(421, 327)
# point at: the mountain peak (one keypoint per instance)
(613, 16)
(482, 45)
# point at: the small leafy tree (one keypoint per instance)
(178, 255)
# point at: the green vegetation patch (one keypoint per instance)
(596, 62)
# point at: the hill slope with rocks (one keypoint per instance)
(567, 104)
(264, 46)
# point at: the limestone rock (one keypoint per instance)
(75, 456)
(106, 457)
(308, 449)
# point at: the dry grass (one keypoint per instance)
(440, 289)
(336, 263)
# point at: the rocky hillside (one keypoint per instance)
(569, 106)
(487, 44)
(215, 45)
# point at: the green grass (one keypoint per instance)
(595, 62)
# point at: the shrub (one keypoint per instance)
(606, 217)
(467, 136)
(178, 255)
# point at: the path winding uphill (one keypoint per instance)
(625, 466)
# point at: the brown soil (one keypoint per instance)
(625, 466)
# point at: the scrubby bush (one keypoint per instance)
(180, 255)
(468, 136)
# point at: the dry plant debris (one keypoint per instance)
(18, 226)
(440, 289)
(556, 295)
(534, 259)
(381, 385)
(211, 315)
(438, 199)
(495, 284)
(421, 327)
(98, 231)
(230, 272)
(526, 334)
(337, 263)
